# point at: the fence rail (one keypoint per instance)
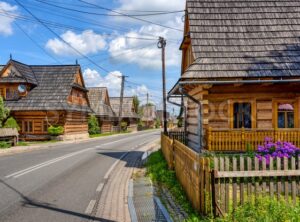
(179, 135)
(247, 139)
(220, 184)
(236, 180)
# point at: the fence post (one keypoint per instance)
(209, 138)
(243, 139)
(172, 159)
(213, 193)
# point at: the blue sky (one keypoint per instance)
(119, 44)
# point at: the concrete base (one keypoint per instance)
(77, 136)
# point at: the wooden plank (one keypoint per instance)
(227, 197)
(257, 173)
(234, 186)
(293, 167)
(257, 186)
(216, 186)
(271, 178)
(249, 179)
(222, 186)
(278, 166)
(264, 168)
(286, 180)
(242, 180)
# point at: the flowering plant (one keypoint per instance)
(276, 149)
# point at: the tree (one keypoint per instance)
(136, 103)
(11, 123)
(93, 125)
(4, 112)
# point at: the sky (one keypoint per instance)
(100, 35)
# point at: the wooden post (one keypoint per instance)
(243, 142)
(209, 138)
(213, 193)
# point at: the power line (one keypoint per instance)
(133, 17)
(34, 42)
(102, 14)
(59, 25)
(58, 36)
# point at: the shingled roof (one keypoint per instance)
(127, 108)
(23, 73)
(252, 38)
(54, 84)
(100, 107)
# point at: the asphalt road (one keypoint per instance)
(57, 184)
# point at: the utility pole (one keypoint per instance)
(147, 109)
(121, 101)
(162, 45)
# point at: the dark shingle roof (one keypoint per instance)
(25, 73)
(252, 38)
(52, 91)
(126, 108)
(98, 104)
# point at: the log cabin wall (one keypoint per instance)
(76, 122)
(106, 126)
(217, 107)
(77, 97)
(34, 124)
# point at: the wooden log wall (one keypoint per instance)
(76, 122)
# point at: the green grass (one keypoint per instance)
(106, 134)
(29, 143)
(4, 145)
(157, 170)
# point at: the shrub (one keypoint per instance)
(157, 123)
(4, 145)
(276, 149)
(93, 124)
(11, 123)
(4, 112)
(180, 122)
(55, 130)
(124, 126)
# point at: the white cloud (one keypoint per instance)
(130, 6)
(87, 42)
(131, 50)
(6, 21)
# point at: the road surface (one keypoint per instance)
(58, 184)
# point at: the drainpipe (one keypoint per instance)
(200, 128)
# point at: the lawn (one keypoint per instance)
(106, 134)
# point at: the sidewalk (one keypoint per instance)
(112, 204)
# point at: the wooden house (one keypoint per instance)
(149, 115)
(240, 73)
(100, 104)
(129, 113)
(43, 95)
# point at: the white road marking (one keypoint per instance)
(100, 187)
(49, 162)
(90, 207)
(113, 166)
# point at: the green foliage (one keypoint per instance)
(157, 170)
(4, 145)
(157, 123)
(265, 210)
(11, 123)
(93, 124)
(55, 130)
(4, 112)
(136, 103)
(180, 122)
(124, 126)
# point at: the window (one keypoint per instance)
(285, 117)
(28, 127)
(242, 115)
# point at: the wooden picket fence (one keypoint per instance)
(220, 184)
(192, 171)
(237, 180)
